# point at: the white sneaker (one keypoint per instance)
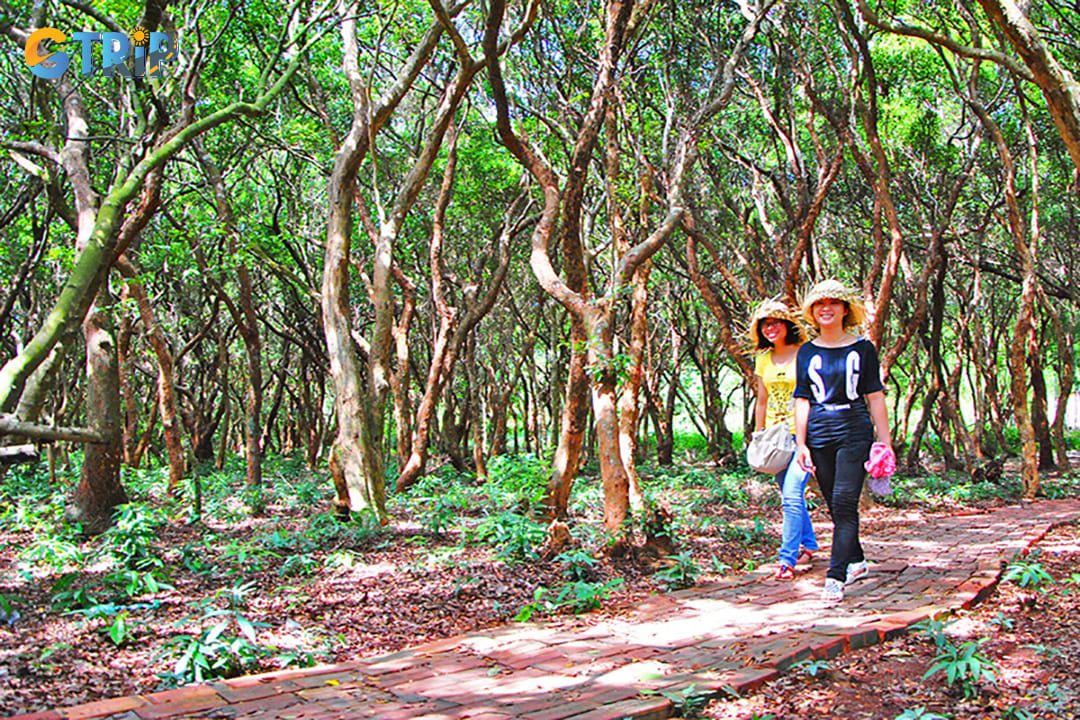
(833, 592)
(857, 571)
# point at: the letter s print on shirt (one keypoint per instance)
(817, 384)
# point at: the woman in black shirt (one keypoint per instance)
(839, 405)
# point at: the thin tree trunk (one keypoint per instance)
(174, 449)
(1024, 327)
(244, 316)
(1066, 369)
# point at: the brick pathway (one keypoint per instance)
(730, 635)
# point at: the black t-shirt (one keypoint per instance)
(836, 382)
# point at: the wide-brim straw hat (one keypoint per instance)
(774, 308)
(835, 290)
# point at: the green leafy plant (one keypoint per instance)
(302, 564)
(578, 564)
(1028, 574)
(584, 596)
(119, 631)
(67, 595)
(514, 536)
(681, 572)
(1002, 622)
(934, 630)
(54, 551)
(1044, 651)
(813, 666)
(919, 713)
(517, 477)
(964, 666)
(246, 556)
(133, 584)
(578, 597)
(236, 596)
(440, 515)
(131, 540)
(215, 652)
(718, 566)
(8, 613)
(687, 702)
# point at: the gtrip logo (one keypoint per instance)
(137, 54)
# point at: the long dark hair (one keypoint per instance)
(791, 337)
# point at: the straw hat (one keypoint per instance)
(833, 289)
(773, 308)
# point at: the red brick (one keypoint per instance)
(182, 706)
(102, 708)
(181, 694)
(244, 693)
(638, 708)
(41, 715)
(863, 637)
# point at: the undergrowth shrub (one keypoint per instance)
(513, 478)
(512, 535)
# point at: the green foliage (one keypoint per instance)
(1065, 485)
(130, 541)
(1028, 574)
(718, 566)
(1001, 622)
(919, 713)
(8, 614)
(687, 702)
(225, 647)
(578, 564)
(327, 531)
(440, 515)
(758, 534)
(682, 572)
(812, 666)
(245, 556)
(1045, 652)
(67, 595)
(302, 564)
(55, 551)
(934, 630)
(517, 477)
(578, 597)
(965, 666)
(512, 535)
(133, 584)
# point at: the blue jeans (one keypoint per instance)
(797, 531)
(840, 473)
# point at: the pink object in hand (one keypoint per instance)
(882, 462)
(881, 465)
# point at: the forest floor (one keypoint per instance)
(246, 591)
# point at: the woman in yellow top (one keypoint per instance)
(777, 334)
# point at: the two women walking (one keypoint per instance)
(838, 407)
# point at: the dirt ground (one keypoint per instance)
(406, 585)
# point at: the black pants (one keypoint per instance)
(840, 473)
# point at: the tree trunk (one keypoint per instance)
(99, 491)
(247, 323)
(174, 448)
(1066, 373)
(1039, 406)
(613, 473)
(1024, 327)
